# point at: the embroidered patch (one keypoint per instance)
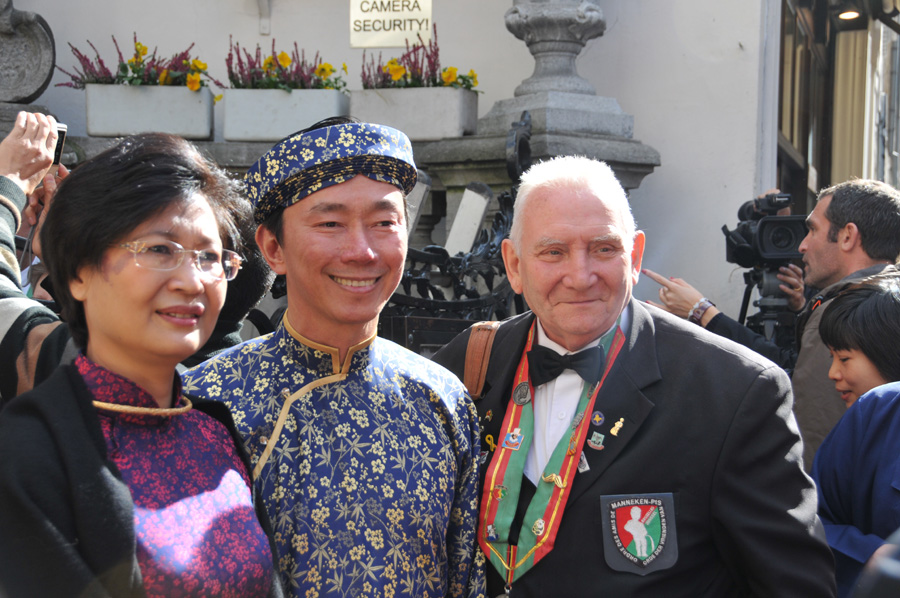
(639, 533)
(597, 418)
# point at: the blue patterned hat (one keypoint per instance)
(308, 162)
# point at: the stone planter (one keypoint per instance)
(272, 114)
(118, 110)
(420, 112)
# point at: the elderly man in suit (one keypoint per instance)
(604, 419)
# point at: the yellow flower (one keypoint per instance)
(474, 76)
(140, 49)
(449, 75)
(284, 60)
(268, 63)
(193, 81)
(344, 68)
(397, 71)
(131, 61)
(392, 63)
(324, 70)
(198, 65)
(164, 77)
(217, 99)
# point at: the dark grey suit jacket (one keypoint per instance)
(708, 427)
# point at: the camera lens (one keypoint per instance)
(782, 238)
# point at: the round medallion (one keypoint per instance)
(521, 394)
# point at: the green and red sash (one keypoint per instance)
(503, 480)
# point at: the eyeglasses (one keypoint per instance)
(168, 255)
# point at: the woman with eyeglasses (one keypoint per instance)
(112, 482)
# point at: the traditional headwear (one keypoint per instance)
(308, 162)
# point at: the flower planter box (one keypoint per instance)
(272, 114)
(118, 110)
(420, 112)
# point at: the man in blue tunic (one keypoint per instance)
(366, 453)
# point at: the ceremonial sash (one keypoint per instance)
(503, 480)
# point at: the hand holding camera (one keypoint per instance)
(28, 151)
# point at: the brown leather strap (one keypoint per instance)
(478, 353)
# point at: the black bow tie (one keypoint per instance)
(546, 364)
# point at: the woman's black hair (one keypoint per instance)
(110, 195)
(866, 317)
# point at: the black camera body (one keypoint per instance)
(763, 242)
(762, 239)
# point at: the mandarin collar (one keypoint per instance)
(107, 386)
(322, 358)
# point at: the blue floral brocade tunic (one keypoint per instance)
(368, 467)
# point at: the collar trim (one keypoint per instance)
(334, 352)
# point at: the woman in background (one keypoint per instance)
(857, 468)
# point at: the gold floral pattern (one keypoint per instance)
(371, 483)
(307, 162)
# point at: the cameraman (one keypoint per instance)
(854, 232)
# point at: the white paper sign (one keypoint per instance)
(389, 23)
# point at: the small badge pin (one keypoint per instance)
(498, 492)
(538, 527)
(583, 464)
(489, 440)
(617, 426)
(597, 418)
(570, 450)
(482, 457)
(554, 478)
(577, 419)
(521, 395)
(513, 440)
(491, 533)
(489, 415)
(596, 442)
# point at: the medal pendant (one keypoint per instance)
(521, 395)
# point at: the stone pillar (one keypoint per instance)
(568, 117)
(555, 33)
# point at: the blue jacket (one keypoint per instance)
(857, 471)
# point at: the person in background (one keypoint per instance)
(112, 482)
(627, 452)
(861, 327)
(854, 233)
(678, 297)
(856, 468)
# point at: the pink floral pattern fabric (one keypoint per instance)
(196, 527)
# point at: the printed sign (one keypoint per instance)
(389, 23)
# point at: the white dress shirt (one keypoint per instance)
(554, 405)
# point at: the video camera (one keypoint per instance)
(764, 241)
